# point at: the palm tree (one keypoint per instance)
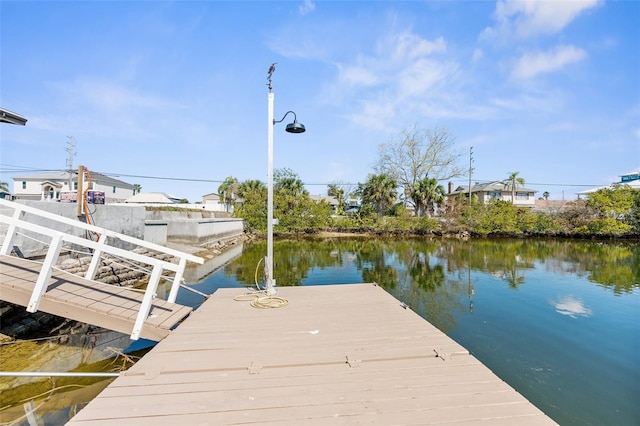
(545, 194)
(137, 188)
(4, 186)
(513, 182)
(249, 187)
(227, 191)
(381, 191)
(426, 192)
(334, 190)
(287, 180)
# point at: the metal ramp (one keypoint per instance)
(40, 286)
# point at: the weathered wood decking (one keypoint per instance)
(76, 298)
(344, 354)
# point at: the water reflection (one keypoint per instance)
(613, 265)
(571, 306)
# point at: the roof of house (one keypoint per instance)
(328, 198)
(149, 198)
(634, 184)
(495, 186)
(64, 176)
(211, 194)
(9, 117)
(634, 174)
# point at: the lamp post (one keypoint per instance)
(294, 127)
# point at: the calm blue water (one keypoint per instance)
(558, 321)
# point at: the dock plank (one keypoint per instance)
(74, 297)
(342, 354)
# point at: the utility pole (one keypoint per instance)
(470, 170)
(80, 194)
(71, 150)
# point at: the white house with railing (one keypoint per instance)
(49, 186)
(498, 190)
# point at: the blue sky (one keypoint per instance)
(178, 89)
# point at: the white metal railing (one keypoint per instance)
(99, 247)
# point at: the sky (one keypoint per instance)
(173, 95)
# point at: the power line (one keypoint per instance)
(8, 168)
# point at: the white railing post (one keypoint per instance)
(177, 279)
(147, 300)
(95, 258)
(11, 232)
(99, 247)
(45, 273)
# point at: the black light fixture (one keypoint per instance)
(294, 127)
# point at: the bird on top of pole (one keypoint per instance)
(272, 69)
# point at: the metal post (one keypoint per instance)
(80, 191)
(470, 170)
(271, 282)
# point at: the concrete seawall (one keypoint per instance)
(160, 227)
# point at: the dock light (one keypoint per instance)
(294, 127)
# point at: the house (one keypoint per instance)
(496, 190)
(631, 179)
(212, 198)
(329, 199)
(49, 186)
(214, 202)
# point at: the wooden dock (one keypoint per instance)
(341, 354)
(71, 296)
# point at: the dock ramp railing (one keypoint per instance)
(102, 246)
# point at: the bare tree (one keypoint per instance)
(417, 154)
(342, 191)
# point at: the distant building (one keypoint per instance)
(631, 179)
(212, 198)
(497, 190)
(49, 186)
(152, 198)
(329, 199)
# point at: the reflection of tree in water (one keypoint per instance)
(372, 259)
(613, 265)
(420, 280)
(417, 267)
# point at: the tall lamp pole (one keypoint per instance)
(294, 127)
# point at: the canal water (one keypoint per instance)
(557, 320)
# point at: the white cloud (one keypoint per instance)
(531, 64)
(476, 56)
(410, 46)
(357, 75)
(104, 94)
(421, 76)
(527, 18)
(307, 6)
(400, 74)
